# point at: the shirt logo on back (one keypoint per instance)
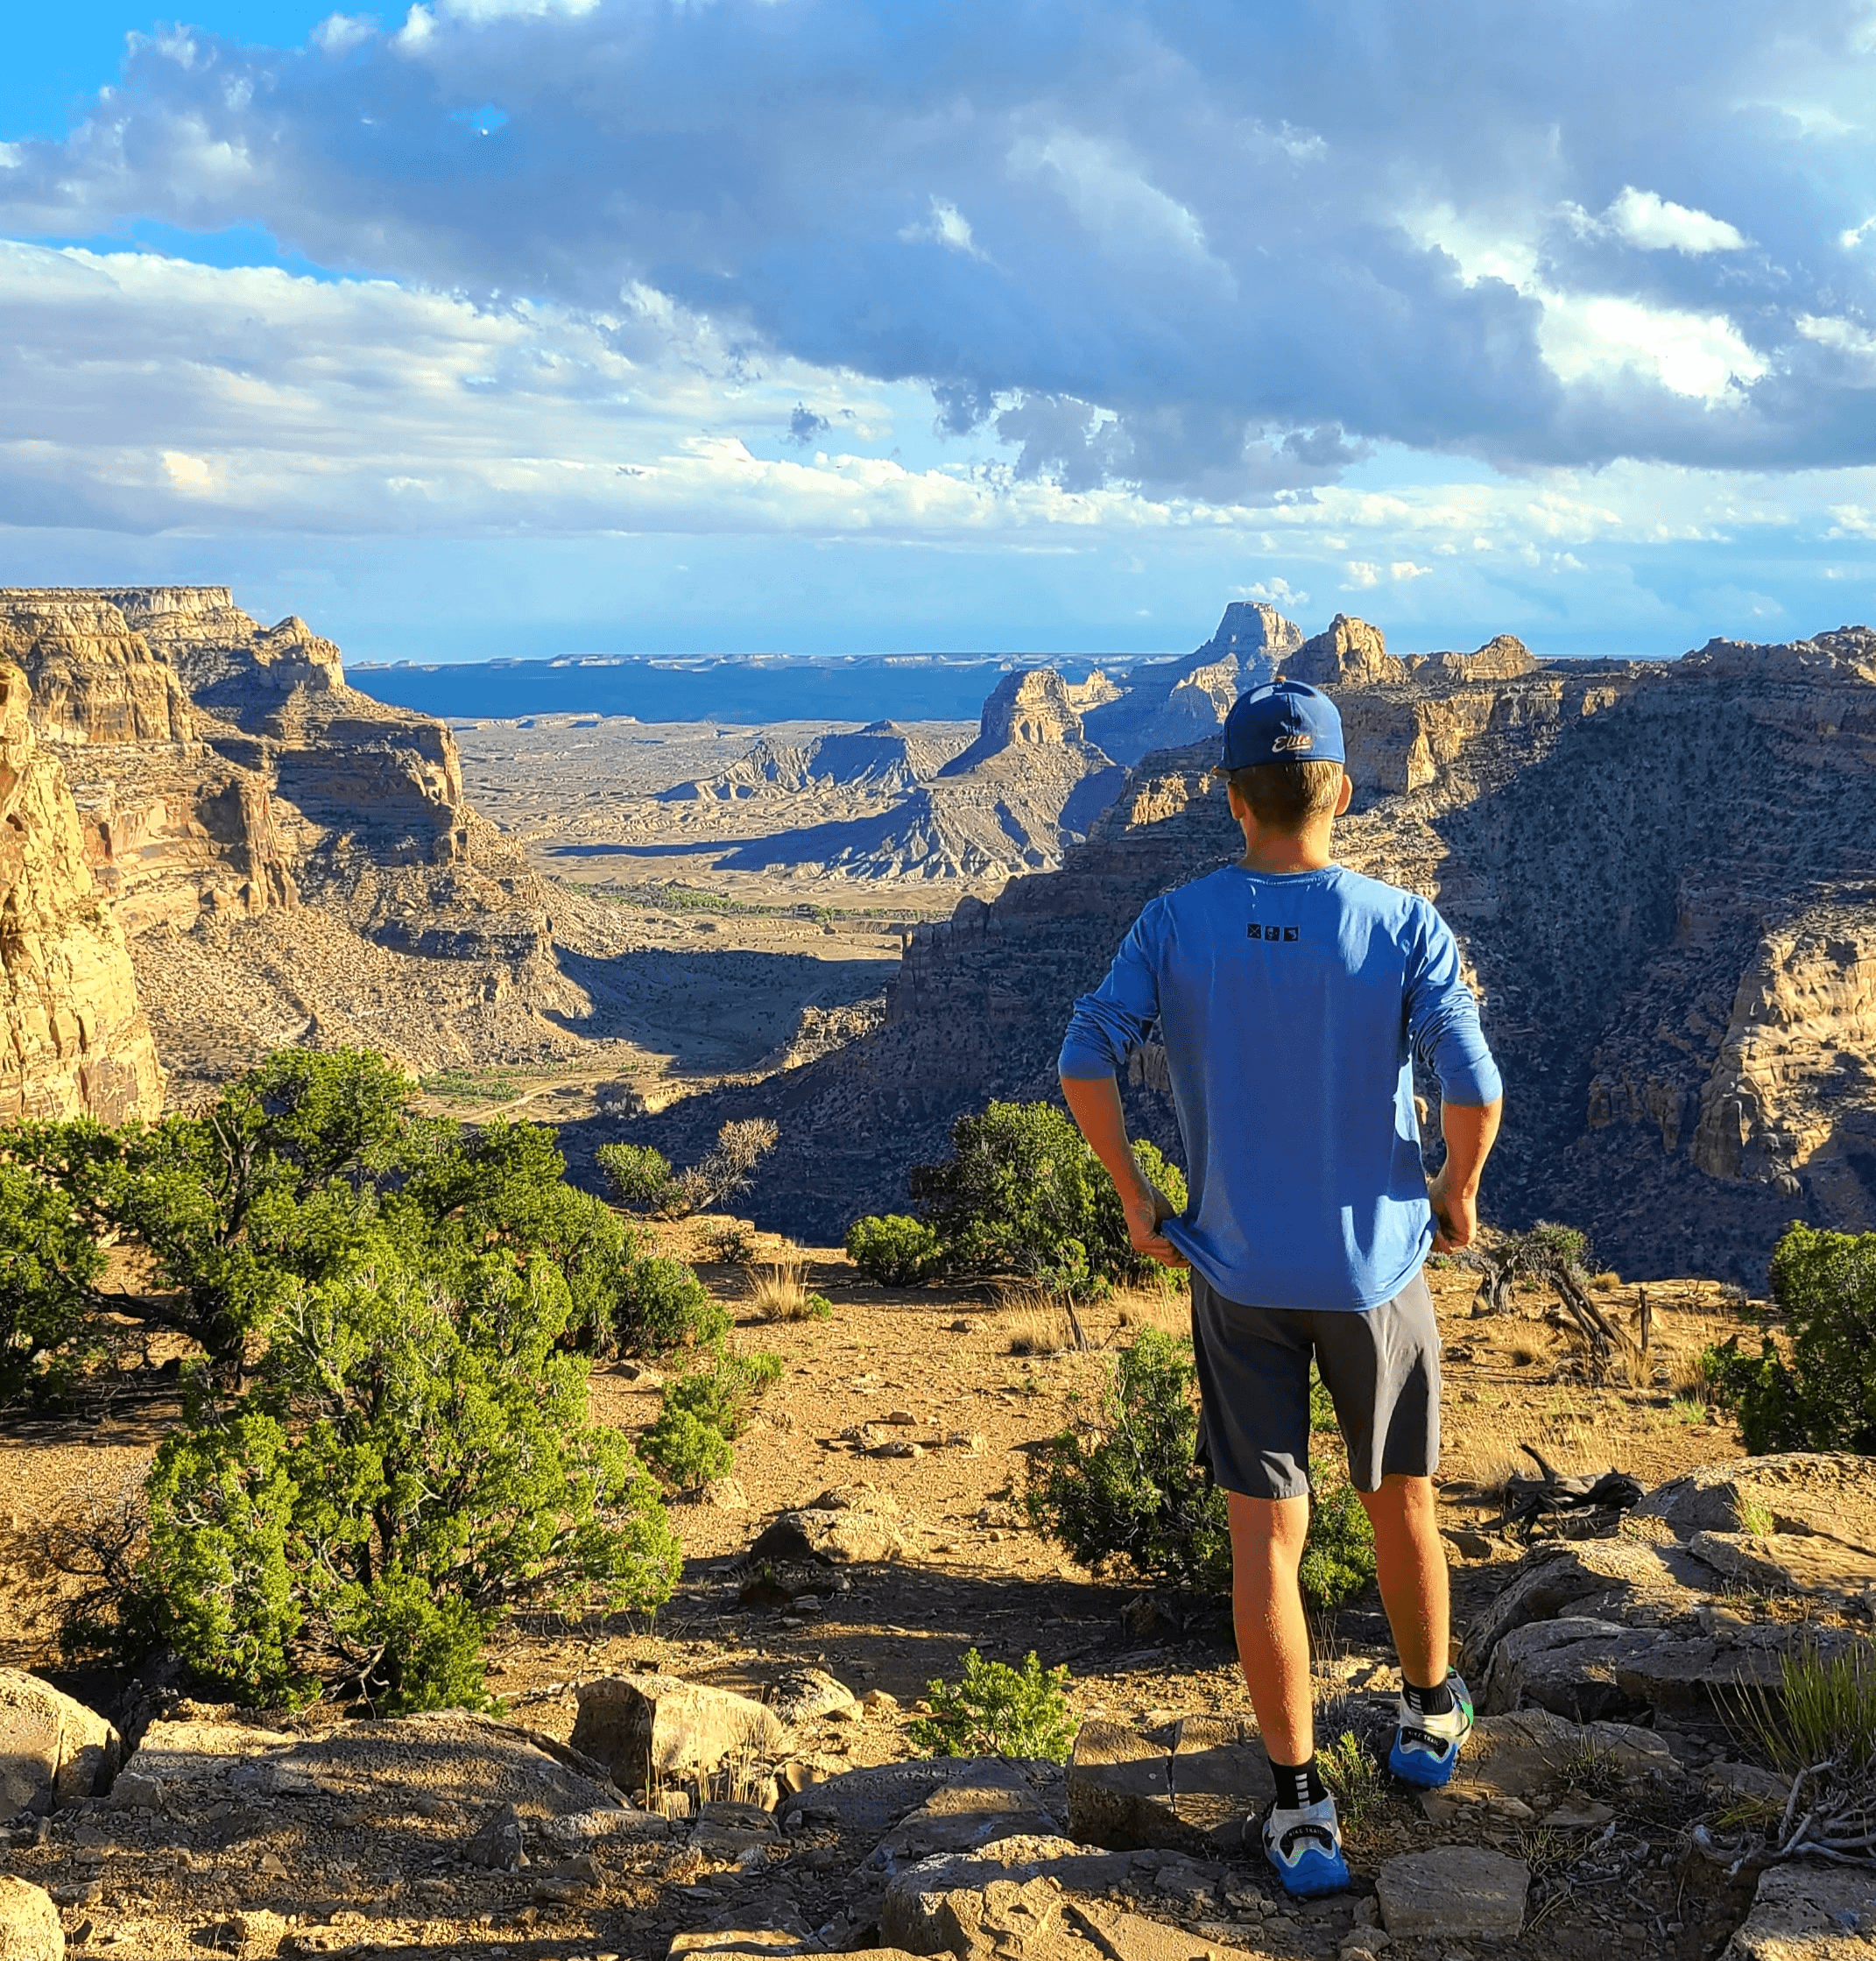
(1271, 933)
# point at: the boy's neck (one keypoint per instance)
(1310, 850)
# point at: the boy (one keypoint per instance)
(1292, 997)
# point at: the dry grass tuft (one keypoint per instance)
(781, 1294)
(1034, 1321)
(1154, 1308)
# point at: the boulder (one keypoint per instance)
(804, 1693)
(647, 1726)
(1585, 1668)
(53, 1751)
(1805, 1912)
(837, 1534)
(1456, 1892)
(29, 1929)
(913, 1913)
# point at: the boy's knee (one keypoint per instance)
(1400, 1500)
(1267, 1524)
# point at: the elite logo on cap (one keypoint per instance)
(1281, 721)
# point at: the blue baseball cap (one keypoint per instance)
(1282, 721)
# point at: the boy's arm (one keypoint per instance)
(1470, 1131)
(1094, 1102)
(1443, 1027)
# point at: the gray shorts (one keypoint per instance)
(1382, 1368)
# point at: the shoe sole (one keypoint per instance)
(1420, 1770)
(1298, 1888)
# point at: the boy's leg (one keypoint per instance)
(1267, 1535)
(1410, 1562)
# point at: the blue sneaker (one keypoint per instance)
(1305, 1847)
(1427, 1747)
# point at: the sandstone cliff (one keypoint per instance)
(1663, 879)
(1348, 653)
(76, 1043)
(1168, 702)
(291, 860)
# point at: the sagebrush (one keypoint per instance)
(996, 1711)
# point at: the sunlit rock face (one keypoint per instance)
(75, 1041)
(222, 774)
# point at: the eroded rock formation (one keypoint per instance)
(76, 1041)
(1169, 703)
(275, 843)
(1663, 878)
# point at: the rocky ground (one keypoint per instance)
(897, 1444)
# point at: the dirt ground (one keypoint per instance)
(934, 1368)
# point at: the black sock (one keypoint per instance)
(1297, 1784)
(1429, 1702)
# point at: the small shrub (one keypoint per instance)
(1128, 1488)
(1824, 1397)
(895, 1251)
(686, 1452)
(725, 1395)
(1023, 1194)
(638, 1176)
(731, 1169)
(662, 1306)
(998, 1710)
(1689, 1410)
(732, 1243)
(1131, 1491)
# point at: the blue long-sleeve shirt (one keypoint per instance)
(1292, 1007)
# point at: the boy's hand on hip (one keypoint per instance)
(1454, 1213)
(1144, 1208)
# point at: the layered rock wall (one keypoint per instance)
(75, 1041)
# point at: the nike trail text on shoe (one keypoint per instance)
(1305, 1847)
(1427, 1737)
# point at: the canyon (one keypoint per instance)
(1662, 874)
(1663, 879)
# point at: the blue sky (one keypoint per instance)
(517, 326)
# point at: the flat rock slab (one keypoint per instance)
(964, 1812)
(30, 1928)
(835, 1538)
(1805, 1912)
(1535, 1750)
(1787, 1562)
(909, 1911)
(1454, 1891)
(53, 1751)
(1828, 1492)
(642, 1727)
(450, 1756)
(1134, 1937)
(804, 1693)
(868, 1801)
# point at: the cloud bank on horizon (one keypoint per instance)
(1474, 303)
